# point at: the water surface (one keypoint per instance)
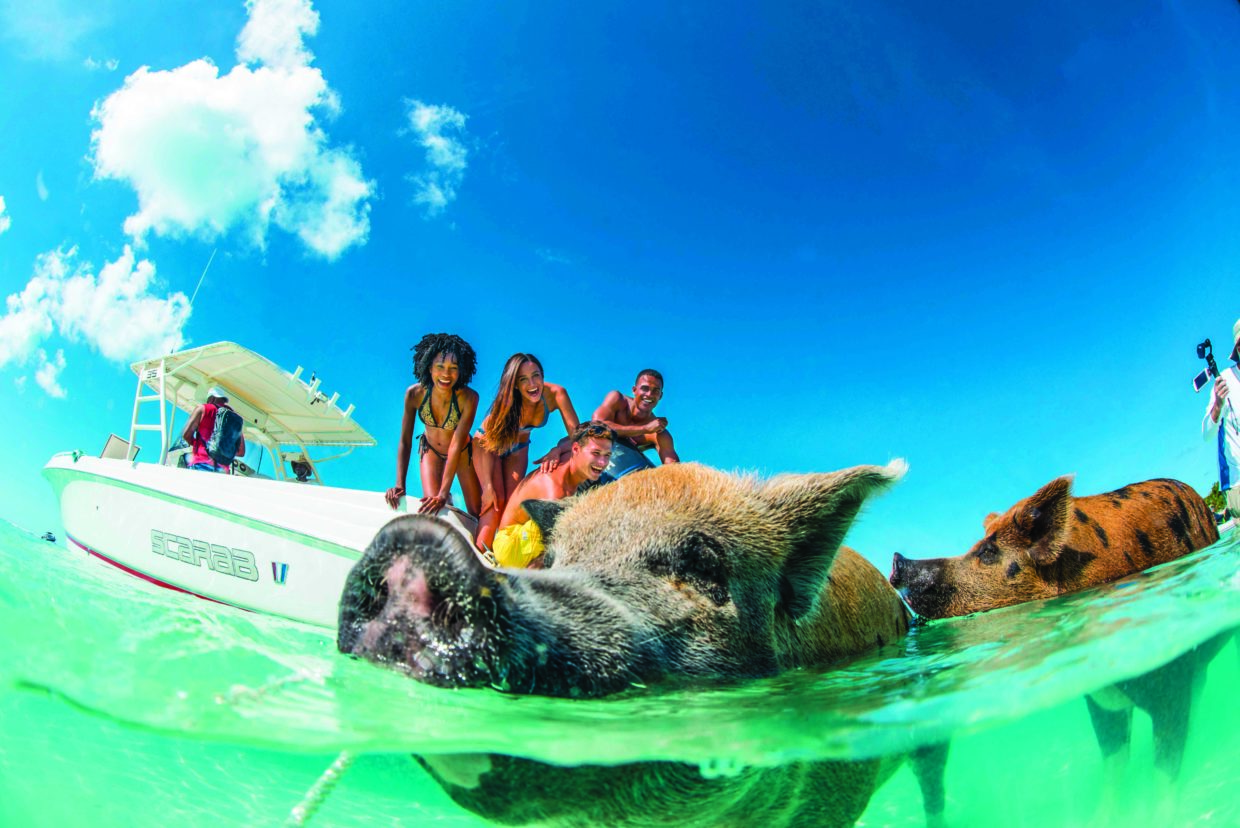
(131, 705)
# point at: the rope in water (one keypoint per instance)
(319, 791)
(322, 787)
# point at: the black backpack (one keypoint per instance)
(225, 436)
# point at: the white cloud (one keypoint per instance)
(439, 130)
(273, 35)
(330, 225)
(20, 384)
(116, 313)
(28, 320)
(95, 65)
(40, 187)
(48, 373)
(5, 221)
(208, 153)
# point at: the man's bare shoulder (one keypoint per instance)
(540, 485)
(612, 407)
(535, 486)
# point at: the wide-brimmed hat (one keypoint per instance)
(216, 391)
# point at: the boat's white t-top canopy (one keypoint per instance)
(282, 412)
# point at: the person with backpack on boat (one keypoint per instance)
(214, 434)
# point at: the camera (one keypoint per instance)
(1206, 352)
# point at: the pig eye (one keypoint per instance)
(988, 554)
(698, 562)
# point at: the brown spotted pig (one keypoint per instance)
(1052, 543)
(674, 574)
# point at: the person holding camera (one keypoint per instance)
(1223, 419)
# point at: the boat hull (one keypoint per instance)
(272, 547)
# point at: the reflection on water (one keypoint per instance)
(153, 707)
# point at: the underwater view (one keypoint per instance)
(125, 704)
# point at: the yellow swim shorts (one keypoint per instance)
(518, 544)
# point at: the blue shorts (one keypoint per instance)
(211, 467)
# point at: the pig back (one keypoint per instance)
(858, 611)
(1141, 525)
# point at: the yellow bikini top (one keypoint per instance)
(427, 415)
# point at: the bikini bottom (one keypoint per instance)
(516, 448)
(424, 446)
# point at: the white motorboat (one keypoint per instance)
(278, 542)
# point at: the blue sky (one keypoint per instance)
(977, 238)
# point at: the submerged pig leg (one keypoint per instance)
(930, 766)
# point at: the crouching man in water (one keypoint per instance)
(518, 542)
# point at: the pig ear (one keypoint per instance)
(1043, 520)
(818, 510)
(545, 513)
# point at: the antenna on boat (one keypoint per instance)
(203, 276)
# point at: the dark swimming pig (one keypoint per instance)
(1052, 543)
(670, 575)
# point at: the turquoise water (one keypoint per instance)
(124, 704)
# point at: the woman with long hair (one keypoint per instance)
(442, 399)
(523, 402)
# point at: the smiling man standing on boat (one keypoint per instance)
(214, 455)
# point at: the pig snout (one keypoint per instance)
(923, 583)
(421, 599)
(907, 573)
(898, 565)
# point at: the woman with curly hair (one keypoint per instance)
(442, 399)
(523, 402)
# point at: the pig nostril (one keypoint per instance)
(421, 599)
